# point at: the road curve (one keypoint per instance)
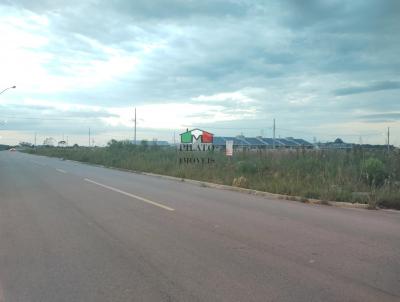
(75, 232)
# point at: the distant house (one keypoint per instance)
(241, 142)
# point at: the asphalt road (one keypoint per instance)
(74, 232)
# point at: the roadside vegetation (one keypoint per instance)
(356, 175)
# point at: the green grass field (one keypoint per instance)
(356, 175)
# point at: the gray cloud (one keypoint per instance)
(381, 117)
(180, 8)
(301, 54)
(47, 119)
(379, 86)
(337, 16)
(32, 111)
(157, 9)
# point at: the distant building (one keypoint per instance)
(255, 143)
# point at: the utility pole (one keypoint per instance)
(35, 139)
(89, 137)
(135, 128)
(273, 141)
(388, 139)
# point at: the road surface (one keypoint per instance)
(74, 232)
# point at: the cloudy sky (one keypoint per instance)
(323, 69)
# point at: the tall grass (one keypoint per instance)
(351, 176)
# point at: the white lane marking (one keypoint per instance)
(131, 195)
(61, 171)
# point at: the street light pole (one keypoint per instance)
(12, 87)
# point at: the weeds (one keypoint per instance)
(304, 200)
(370, 177)
(240, 182)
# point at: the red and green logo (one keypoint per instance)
(196, 135)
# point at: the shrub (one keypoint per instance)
(389, 198)
(304, 200)
(375, 172)
(335, 175)
(312, 195)
(245, 167)
(372, 202)
(241, 182)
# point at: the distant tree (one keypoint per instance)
(144, 143)
(25, 144)
(112, 142)
(62, 144)
(120, 144)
